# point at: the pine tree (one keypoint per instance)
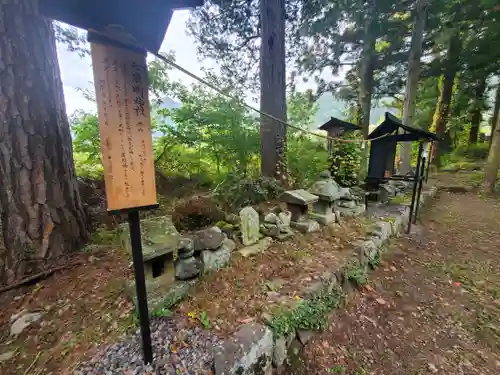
(42, 214)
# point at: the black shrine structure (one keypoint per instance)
(138, 26)
(335, 128)
(381, 166)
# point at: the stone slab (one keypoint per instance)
(159, 237)
(300, 197)
(248, 352)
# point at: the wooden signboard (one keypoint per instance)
(121, 85)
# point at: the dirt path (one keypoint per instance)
(433, 306)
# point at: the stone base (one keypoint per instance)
(323, 219)
(187, 269)
(257, 248)
(161, 293)
(351, 212)
(283, 236)
(306, 226)
(214, 260)
(248, 352)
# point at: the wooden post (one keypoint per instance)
(415, 185)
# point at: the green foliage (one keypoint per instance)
(212, 134)
(337, 369)
(162, 312)
(86, 144)
(472, 152)
(205, 322)
(345, 160)
(308, 315)
(375, 262)
(355, 273)
(238, 192)
(307, 157)
(103, 236)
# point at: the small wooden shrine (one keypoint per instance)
(383, 147)
(335, 128)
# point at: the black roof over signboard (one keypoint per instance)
(391, 124)
(146, 21)
(336, 123)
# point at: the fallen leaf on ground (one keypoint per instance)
(380, 301)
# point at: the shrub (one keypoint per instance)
(238, 192)
(345, 160)
(306, 159)
(196, 212)
(476, 151)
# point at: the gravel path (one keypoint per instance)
(178, 348)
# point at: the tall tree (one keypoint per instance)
(447, 81)
(409, 102)
(366, 68)
(240, 35)
(273, 88)
(496, 109)
(493, 163)
(42, 214)
(476, 109)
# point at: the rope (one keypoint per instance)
(220, 91)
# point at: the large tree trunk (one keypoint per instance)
(494, 117)
(475, 111)
(443, 105)
(410, 97)
(42, 215)
(273, 89)
(365, 90)
(493, 163)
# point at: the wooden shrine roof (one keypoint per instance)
(337, 123)
(145, 21)
(391, 124)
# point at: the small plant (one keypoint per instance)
(337, 369)
(375, 262)
(161, 313)
(102, 236)
(309, 314)
(356, 274)
(196, 212)
(204, 320)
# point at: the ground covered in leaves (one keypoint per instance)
(249, 288)
(83, 307)
(433, 306)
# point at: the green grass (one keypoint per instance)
(307, 315)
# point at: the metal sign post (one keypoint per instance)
(140, 284)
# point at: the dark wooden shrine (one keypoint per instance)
(383, 147)
(335, 128)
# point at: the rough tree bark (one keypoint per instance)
(475, 111)
(444, 101)
(493, 163)
(365, 90)
(273, 89)
(494, 117)
(410, 97)
(42, 215)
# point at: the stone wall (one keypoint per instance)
(257, 348)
